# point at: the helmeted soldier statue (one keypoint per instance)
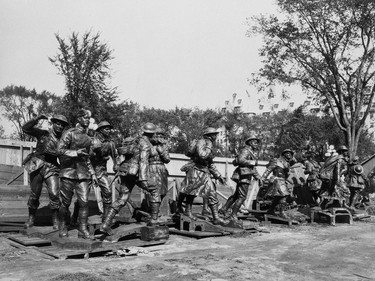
(43, 166)
(76, 172)
(135, 169)
(356, 181)
(103, 148)
(313, 182)
(158, 158)
(332, 170)
(198, 177)
(246, 161)
(280, 188)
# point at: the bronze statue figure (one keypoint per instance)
(103, 148)
(246, 161)
(76, 172)
(43, 166)
(280, 188)
(313, 181)
(198, 176)
(356, 181)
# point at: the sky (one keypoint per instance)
(167, 53)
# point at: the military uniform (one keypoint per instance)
(313, 182)
(356, 181)
(198, 177)
(103, 149)
(246, 161)
(75, 175)
(43, 166)
(280, 188)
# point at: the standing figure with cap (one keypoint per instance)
(246, 160)
(102, 149)
(198, 177)
(312, 171)
(43, 166)
(280, 187)
(356, 181)
(76, 173)
(135, 169)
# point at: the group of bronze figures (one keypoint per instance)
(70, 161)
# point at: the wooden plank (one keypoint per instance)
(196, 234)
(29, 241)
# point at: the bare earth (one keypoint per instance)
(307, 252)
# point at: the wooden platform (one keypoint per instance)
(43, 248)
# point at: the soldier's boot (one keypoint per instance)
(205, 210)
(283, 206)
(224, 210)
(180, 200)
(189, 207)
(353, 201)
(55, 218)
(74, 219)
(83, 232)
(271, 210)
(63, 231)
(154, 220)
(106, 208)
(215, 215)
(107, 223)
(235, 208)
(31, 220)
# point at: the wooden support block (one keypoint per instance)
(124, 231)
(154, 233)
(76, 243)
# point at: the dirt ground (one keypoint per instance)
(305, 252)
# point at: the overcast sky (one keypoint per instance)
(166, 53)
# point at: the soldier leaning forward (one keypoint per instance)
(103, 148)
(198, 177)
(43, 166)
(246, 161)
(356, 181)
(280, 188)
(76, 172)
(135, 169)
(312, 171)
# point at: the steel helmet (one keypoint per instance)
(252, 137)
(60, 118)
(287, 150)
(358, 169)
(342, 148)
(149, 128)
(103, 124)
(210, 131)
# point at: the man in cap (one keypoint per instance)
(198, 177)
(246, 161)
(76, 172)
(43, 166)
(280, 188)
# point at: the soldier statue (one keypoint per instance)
(103, 148)
(332, 170)
(43, 165)
(356, 181)
(198, 177)
(246, 161)
(280, 187)
(158, 158)
(135, 169)
(313, 181)
(76, 172)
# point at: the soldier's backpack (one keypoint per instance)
(326, 172)
(192, 147)
(129, 149)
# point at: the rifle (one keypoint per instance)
(98, 196)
